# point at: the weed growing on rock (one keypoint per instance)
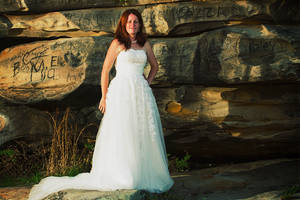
(177, 164)
(182, 164)
(65, 157)
(68, 153)
(289, 192)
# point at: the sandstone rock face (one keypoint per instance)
(53, 5)
(46, 70)
(250, 54)
(51, 70)
(93, 195)
(160, 19)
(21, 121)
(202, 119)
(232, 55)
(244, 181)
(13, 5)
(228, 81)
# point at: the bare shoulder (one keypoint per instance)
(115, 43)
(116, 46)
(147, 47)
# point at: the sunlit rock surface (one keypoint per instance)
(247, 121)
(93, 195)
(53, 5)
(48, 70)
(232, 55)
(160, 19)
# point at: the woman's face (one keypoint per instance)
(132, 25)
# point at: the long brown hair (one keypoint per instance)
(121, 33)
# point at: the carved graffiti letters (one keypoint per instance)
(45, 69)
(96, 20)
(259, 45)
(212, 11)
(36, 64)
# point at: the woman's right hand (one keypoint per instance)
(102, 105)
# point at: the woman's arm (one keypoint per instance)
(152, 61)
(109, 60)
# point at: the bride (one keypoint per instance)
(130, 150)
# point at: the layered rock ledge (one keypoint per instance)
(182, 18)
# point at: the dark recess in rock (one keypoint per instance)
(14, 41)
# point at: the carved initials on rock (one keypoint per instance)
(34, 62)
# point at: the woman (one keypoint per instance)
(130, 150)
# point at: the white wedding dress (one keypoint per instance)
(130, 149)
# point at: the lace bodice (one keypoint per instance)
(131, 62)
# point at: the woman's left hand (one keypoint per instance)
(102, 105)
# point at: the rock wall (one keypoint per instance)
(227, 87)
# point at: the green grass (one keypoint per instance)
(67, 154)
(9, 181)
(289, 192)
(7, 152)
(12, 178)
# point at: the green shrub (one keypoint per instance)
(177, 164)
(289, 192)
(182, 164)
